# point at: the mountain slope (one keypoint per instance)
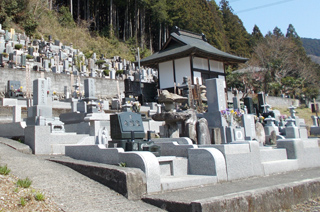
(312, 46)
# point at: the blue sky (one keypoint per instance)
(304, 15)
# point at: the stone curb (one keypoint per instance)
(16, 145)
(271, 198)
(130, 182)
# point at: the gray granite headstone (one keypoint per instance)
(216, 96)
(46, 64)
(23, 60)
(291, 130)
(40, 89)
(11, 56)
(112, 74)
(65, 65)
(9, 49)
(30, 51)
(249, 126)
(89, 88)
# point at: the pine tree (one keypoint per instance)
(238, 37)
(256, 36)
(277, 32)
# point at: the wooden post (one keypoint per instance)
(190, 97)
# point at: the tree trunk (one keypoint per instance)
(150, 35)
(160, 33)
(125, 23)
(71, 8)
(110, 19)
(118, 24)
(142, 27)
(136, 25)
(78, 13)
(95, 15)
(88, 10)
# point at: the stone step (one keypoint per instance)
(270, 154)
(280, 166)
(186, 181)
(173, 166)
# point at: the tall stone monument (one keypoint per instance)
(216, 103)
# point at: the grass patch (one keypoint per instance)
(301, 112)
(39, 196)
(24, 183)
(4, 170)
(23, 201)
(123, 164)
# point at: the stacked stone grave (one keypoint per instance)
(54, 56)
(44, 133)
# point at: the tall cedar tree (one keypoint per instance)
(238, 37)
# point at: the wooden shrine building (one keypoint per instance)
(186, 54)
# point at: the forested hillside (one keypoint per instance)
(312, 46)
(146, 23)
(118, 27)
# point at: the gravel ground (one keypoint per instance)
(70, 190)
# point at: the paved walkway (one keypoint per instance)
(68, 188)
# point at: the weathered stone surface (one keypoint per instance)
(190, 126)
(261, 136)
(166, 96)
(203, 133)
(130, 182)
(171, 116)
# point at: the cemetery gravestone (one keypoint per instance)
(261, 102)
(249, 104)
(249, 126)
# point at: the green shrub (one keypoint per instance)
(39, 196)
(18, 46)
(106, 72)
(4, 170)
(24, 183)
(29, 56)
(119, 72)
(100, 62)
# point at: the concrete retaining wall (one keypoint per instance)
(269, 199)
(105, 88)
(129, 182)
(272, 198)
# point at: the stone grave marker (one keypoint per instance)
(216, 103)
(30, 51)
(249, 104)
(23, 60)
(292, 131)
(249, 126)
(261, 102)
(89, 89)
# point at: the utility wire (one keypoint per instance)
(263, 6)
